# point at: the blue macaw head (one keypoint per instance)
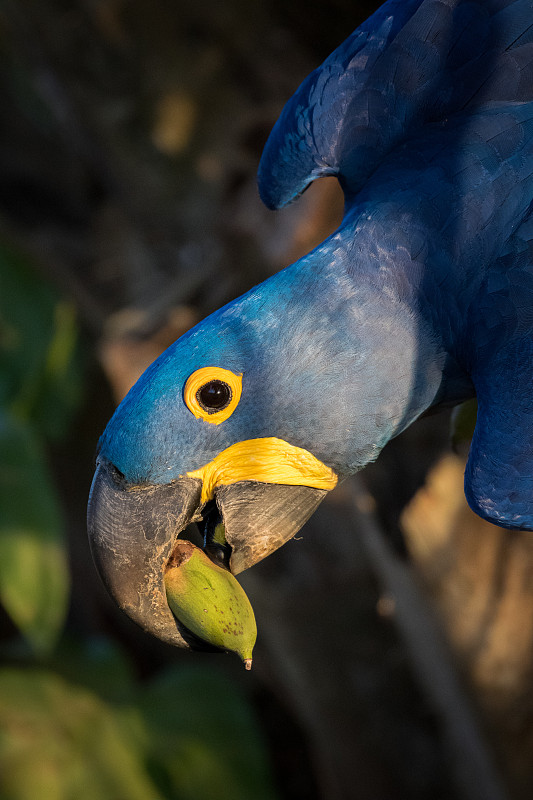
(249, 419)
(421, 297)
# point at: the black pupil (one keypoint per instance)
(214, 396)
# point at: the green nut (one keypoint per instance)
(209, 601)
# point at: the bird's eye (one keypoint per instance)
(212, 393)
(214, 396)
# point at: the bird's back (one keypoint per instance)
(410, 65)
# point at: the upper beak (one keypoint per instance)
(133, 529)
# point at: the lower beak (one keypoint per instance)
(132, 531)
(260, 517)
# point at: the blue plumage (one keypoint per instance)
(409, 65)
(423, 296)
(433, 144)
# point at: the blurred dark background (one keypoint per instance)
(395, 647)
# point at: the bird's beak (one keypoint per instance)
(131, 533)
(133, 529)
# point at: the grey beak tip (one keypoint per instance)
(132, 532)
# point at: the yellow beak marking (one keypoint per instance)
(267, 460)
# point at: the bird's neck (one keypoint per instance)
(351, 331)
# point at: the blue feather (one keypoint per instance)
(410, 64)
(423, 296)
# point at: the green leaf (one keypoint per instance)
(190, 734)
(204, 737)
(34, 578)
(39, 354)
(59, 742)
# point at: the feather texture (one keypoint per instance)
(410, 64)
(424, 295)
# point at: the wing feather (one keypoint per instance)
(410, 64)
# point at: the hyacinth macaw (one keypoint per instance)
(422, 297)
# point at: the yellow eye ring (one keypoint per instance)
(212, 393)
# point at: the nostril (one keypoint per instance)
(116, 475)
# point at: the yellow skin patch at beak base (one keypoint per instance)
(267, 460)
